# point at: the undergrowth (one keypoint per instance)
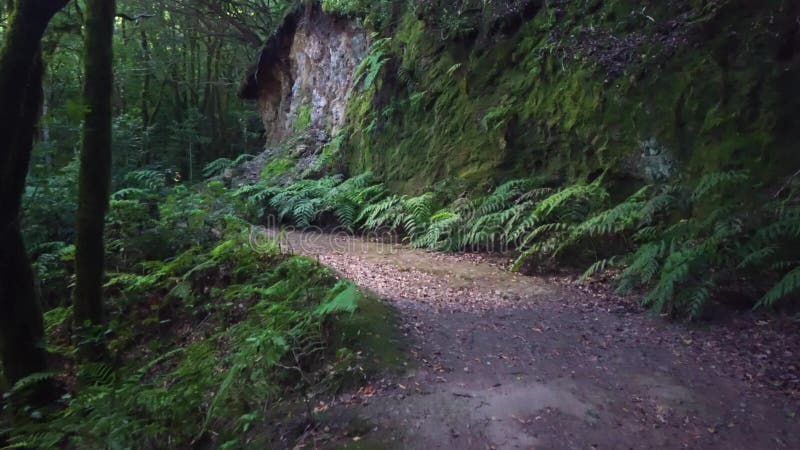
(681, 244)
(212, 327)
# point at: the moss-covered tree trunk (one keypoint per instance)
(21, 329)
(95, 174)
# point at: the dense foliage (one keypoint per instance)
(550, 131)
(211, 327)
(683, 245)
(224, 320)
(177, 65)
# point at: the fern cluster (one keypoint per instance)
(688, 243)
(678, 243)
(404, 214)
(370, 67)
(239, 325)
(308, 202)
(219, 166)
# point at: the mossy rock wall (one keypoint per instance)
(642, 90)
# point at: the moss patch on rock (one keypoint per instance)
(677, 89)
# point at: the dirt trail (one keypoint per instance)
(504, 361)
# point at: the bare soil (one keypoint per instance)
(502, 361)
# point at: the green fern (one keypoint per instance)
(31, 381)
(149, 179)
(717, 180)
(369, 68)
(343, 298)
(126, 193)
(788, 285)
(417, 215)
(642, 266)
(695, 298)
(550, 226)
(505, 195)
(97, 373)
(676, 270)
(441, 233)
(220, 165)
(598, 267)
(385, 214)
(491, 220)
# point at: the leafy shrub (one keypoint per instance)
(223, 327)
(307, 202)
(690, 243)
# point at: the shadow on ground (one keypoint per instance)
(498, 360)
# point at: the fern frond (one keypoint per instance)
(31, 381)
(643, 266)
(788, 285)
(382, 214)
(716, 180)
(150, 179)
(126, 193)
(664, 200)
(676, 270)
(304, 213)
(216, 167)
(440, 232)
(344, 298)
(98, 373)
(597, 267)
(646, 234)
(544, 230)
(243, 158)
(369, 68)
(757, 256)
(694, 299)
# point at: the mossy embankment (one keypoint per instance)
(663, 131)
(644, 90)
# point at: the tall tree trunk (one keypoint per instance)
(21, 330)
(21, 318)
(95, 174)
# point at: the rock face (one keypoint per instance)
(644, 91)
(304, 74)
(563, 90)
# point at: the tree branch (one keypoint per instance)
(136, 18)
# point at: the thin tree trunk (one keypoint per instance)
(191, 163)
(146, 97)
(95, 174)
(147, 77)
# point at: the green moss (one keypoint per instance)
(373, 327)
(303, 119)
(532, 104)
(277, 167)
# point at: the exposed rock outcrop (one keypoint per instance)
(475, 92)
(303, 77)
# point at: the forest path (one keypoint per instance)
(502, 361)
